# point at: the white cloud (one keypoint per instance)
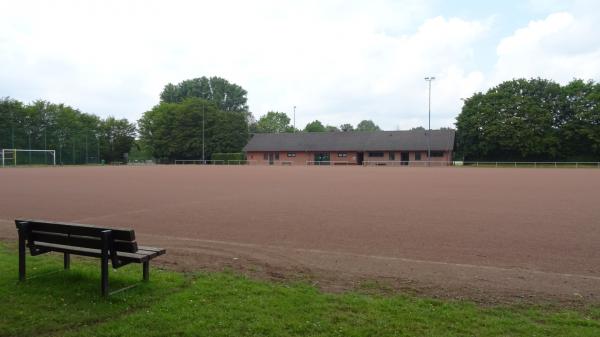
(561, 47)
(337, 61)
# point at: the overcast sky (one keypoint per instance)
(337, 61)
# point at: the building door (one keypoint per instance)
(322, 158)
(404, 158)
(271, 158)
(359, 158)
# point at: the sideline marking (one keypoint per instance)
(378, 257)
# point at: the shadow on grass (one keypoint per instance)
(53, 299)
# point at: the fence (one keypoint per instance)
(414, 163)
(528, 164)
(328, 163)
(240, 162)
(214, 162)
(198, 162)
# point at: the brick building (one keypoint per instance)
(354, 148)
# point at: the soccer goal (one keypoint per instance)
(16, 157)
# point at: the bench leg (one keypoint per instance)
(104, 277)
(146, 270)
(22, 255)
(104, 263)
(67, 260)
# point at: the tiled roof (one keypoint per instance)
(415, 140)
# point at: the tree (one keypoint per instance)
(346, 127)
(77, 137)
(418, 128)
(579, 120)
(532, 119)
(367, 125)
(226, 96)
(173, 131)
(274, 122)
(315, 126)
(118, 136)
(331, 128)
(10, 112)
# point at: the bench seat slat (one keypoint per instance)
(138, 257)
(152, 249)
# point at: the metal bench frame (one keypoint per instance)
(118, 245)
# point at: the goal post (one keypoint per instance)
(15, 157)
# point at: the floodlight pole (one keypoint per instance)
(429, 79)
(12, 127)
(86, 149)
(203, 159)
(29, 140)
(97, 148)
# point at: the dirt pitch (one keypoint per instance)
(484, 234)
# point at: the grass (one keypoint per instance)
(224, 304)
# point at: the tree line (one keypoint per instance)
(276, 122)
(534, 119)
(77, 137)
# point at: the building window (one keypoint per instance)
(375, 154)
(342, 154)
(265, 156)
(276, 155)
(437, 153)
(291, 154)
(392, 156)
(417, 155)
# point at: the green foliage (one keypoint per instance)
(346, 127)
(367, 125)
(67, 303)
(226, 96)
(77, 137)
(236, 158)
(274, 122)
(119, 135)
(532, 119)
(173, 131)
(331, 128)
(315, 126)
(418, 128)
(139, 152)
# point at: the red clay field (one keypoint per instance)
(485, 234)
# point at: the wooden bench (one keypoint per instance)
(116, 244)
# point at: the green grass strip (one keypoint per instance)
(224, 304)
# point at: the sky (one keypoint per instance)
(336, 61)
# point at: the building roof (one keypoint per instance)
(413, 140)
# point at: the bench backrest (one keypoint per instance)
(76, 235)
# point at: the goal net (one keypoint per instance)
(16, 157)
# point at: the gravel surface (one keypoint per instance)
(481, 233)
